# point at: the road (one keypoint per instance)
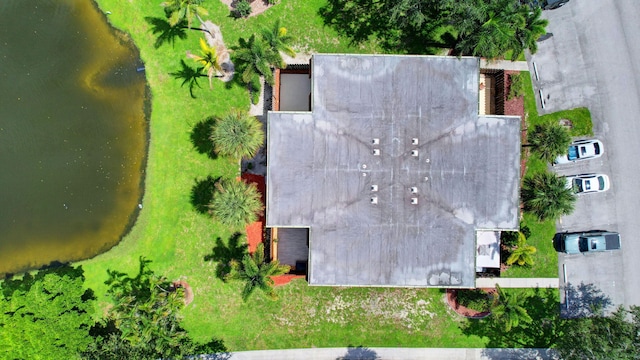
(593, 60)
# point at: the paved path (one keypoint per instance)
(518, 282)
(504, 64)
(360, 353)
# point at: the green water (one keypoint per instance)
(73, 133)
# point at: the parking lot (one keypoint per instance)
(592, 60)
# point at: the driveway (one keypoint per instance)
(593, 60)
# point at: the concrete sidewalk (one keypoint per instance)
(363, 353)
(518, 282)
(504, 65)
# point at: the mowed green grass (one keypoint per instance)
(177, 238)
(546, 258)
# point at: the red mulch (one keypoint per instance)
(516, 107)
(461, 310)
(285, 279)
(255, 231)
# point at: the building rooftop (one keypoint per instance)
(393, 170)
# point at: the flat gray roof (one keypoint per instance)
(393, 170)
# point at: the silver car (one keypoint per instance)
(581, 150)
(588, 183)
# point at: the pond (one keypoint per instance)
(73, 133)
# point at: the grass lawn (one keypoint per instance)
(546, 258)
(177, 238)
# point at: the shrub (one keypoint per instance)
(475, 299)
(243, 8)
(255, 88)
(516, 87)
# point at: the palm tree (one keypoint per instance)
(549, 140)
(208, 60)
(491, 29)
(256, 273)
(189, 76)
(183, 10)
(276, 37)
(522, 253)
(546, 196)
(238, 134)
(508, 309)
(255, 59)
(236, 203)
(527, 36)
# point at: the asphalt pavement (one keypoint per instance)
(593, 60)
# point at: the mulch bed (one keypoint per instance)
(255, 230)
(452, 300)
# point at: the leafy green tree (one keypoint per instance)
(277, 39)
(208, 61)
(508, 309)
(614, 337)
(522, 253)
(546, 196)
(46, 316)
(144, 322)
(184, 10)
(236, 203)
(256, 273)
(237, 134)
(549, 141)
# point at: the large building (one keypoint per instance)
(393, 171)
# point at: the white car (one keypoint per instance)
(588, 183)
(581, 150)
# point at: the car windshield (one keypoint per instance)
(596, 148)
(577, 185)
(573, 153)
(601, 182)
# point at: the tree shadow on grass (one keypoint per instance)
(200, 137)
(224, 254)
(360, 20)
(165, 32)
(202, 193)
(542, 332)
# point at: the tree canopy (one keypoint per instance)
(546, 196)
(236, 203)
(549, 141)
(237, 134)
(614, 337)
(256, 273)
(144, 322)
(46, 316)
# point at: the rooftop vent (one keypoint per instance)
(376, 152)
(415, 141)
(374, 200)
(414, 201)
(375, 141)
(426, 178)
(414, 152)
(374, 187)
(414, 190)
(364, 166)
